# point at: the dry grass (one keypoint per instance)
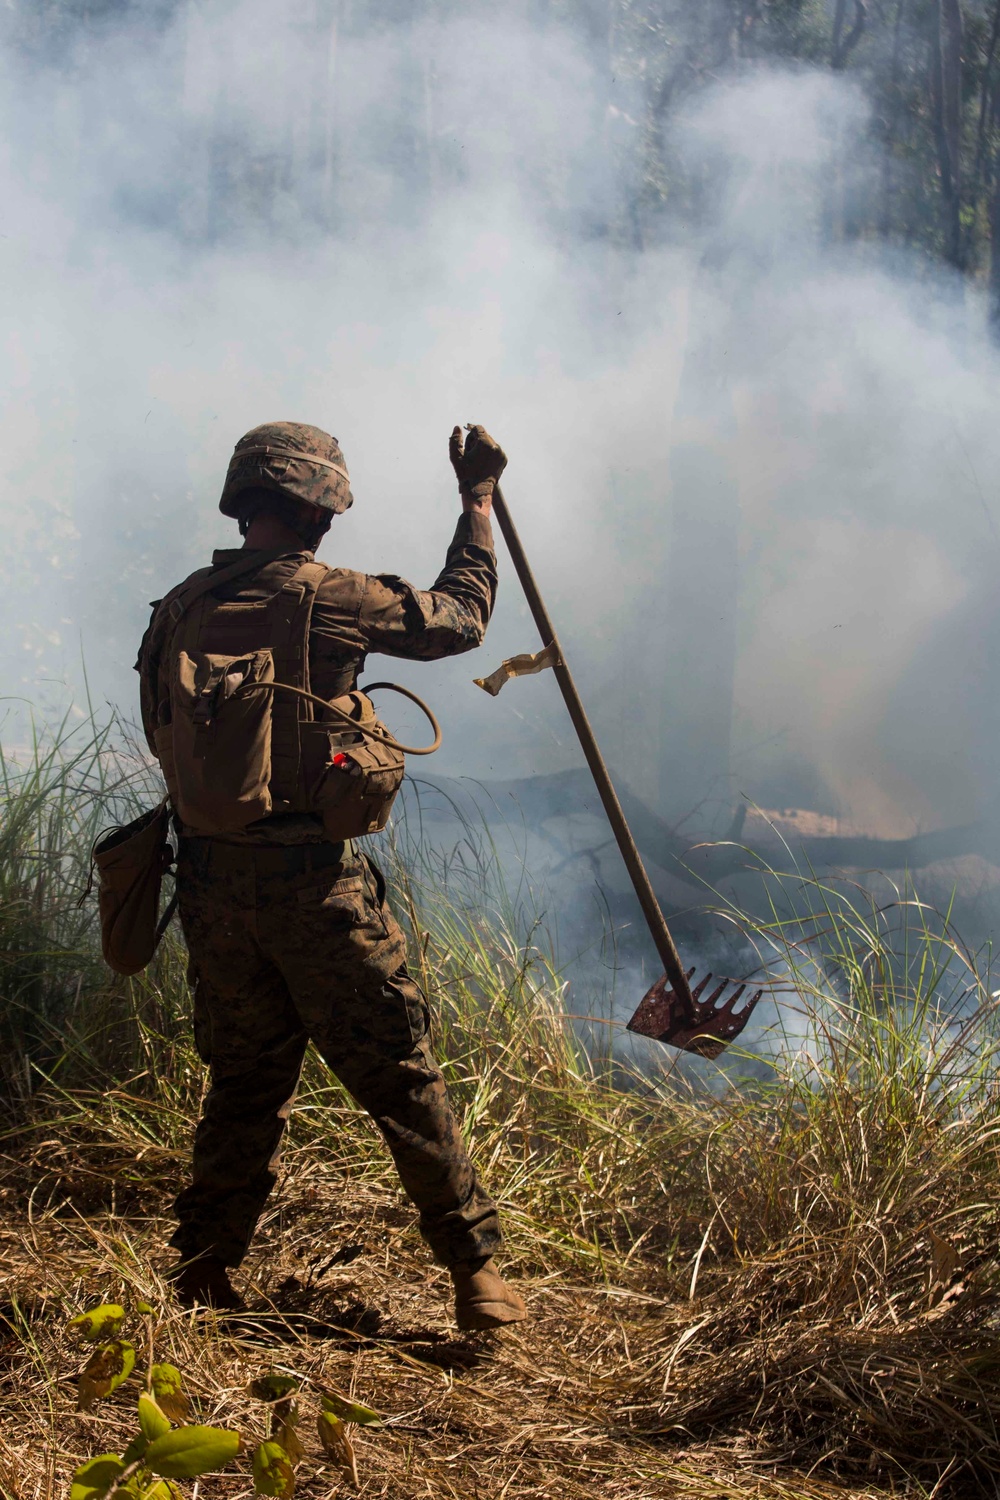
(537, 1411)
(782, 1288)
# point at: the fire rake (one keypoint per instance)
(671, 1011)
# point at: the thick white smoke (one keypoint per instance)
(242, 212)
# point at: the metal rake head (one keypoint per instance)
(703, 1027)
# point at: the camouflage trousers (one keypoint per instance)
(292, 945)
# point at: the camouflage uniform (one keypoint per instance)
(291, 940)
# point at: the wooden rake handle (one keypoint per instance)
(655, 920)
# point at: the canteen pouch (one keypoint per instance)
(356, 779)
(130, 862)
(216, 752)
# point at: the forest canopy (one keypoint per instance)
(929, 71)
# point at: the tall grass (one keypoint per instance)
(796, 1269)
(62, 1012)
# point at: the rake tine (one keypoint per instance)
(706, 1028)
(713, 997)
(730, 1004)
(697, 991)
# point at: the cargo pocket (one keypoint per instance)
(341, 901)
(407, 1006)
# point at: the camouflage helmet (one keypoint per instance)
(304, 463)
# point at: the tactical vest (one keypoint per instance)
(246, 737)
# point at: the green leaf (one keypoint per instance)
(99, 1323)
(350, 1411)
(104, 1372)
(94, 1479)
(273, 1387)
(332, 1434)
(189, 1451)
(285, 1434)
(336, 1444)
(145, 1309)
(161, 1489)
(166, 1380)
(152, 1419)
(272, 1471)
(170, 1398)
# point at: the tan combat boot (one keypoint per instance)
(205, 1283)
(482, 1298)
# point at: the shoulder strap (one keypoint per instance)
(294, 657)
(203, 583)
(306, 579)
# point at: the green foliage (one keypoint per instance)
(189, 1451)
(272, 1470)
(131, 1488)
(274, 1387)
(166, 1385)
(105, 1371)
(135, 1450)
(94, 1479)
(160, 1453)
(350, 1411)
(99, 1323)
(153, 1422)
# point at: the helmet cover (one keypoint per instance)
(305, 463)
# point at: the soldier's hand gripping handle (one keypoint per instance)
(478, 464)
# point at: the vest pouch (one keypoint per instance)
(359, 786)
(353, 780)
(220, 740)
(130, 863)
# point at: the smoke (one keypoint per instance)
(756, 474)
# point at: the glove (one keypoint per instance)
(478, 464)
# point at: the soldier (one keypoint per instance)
(289, 934)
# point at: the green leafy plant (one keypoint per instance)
(160, 1452)
(275, 1459)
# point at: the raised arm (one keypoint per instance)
(451, 616)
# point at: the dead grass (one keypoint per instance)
(532, 1412)
(783, 1287)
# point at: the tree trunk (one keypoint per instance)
(984, 166)
(994, 282)
(845, 40)
(946, 94)
(895, 113)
